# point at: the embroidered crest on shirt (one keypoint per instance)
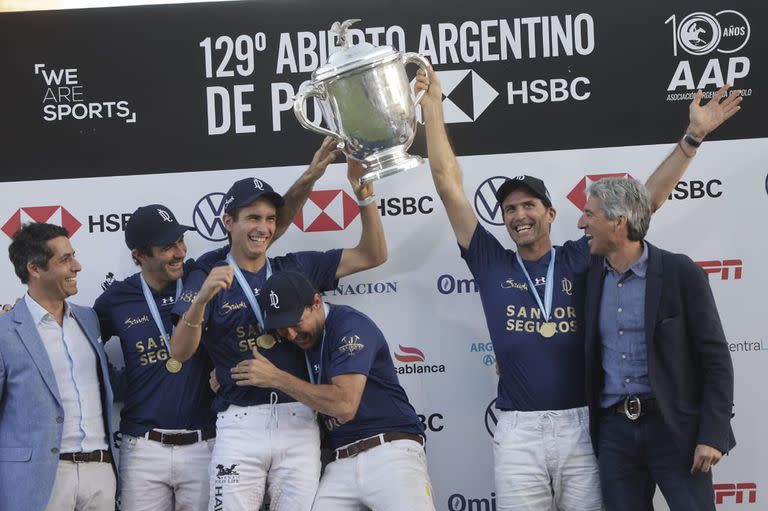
(351, 344)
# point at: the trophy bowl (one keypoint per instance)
(367, 103)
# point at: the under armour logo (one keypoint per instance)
(165, 215)
(540, 281)
(519, 178)
(258, 184)
(274, 300)
(256, 291)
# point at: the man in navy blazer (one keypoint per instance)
(55, 397)
(659, 373)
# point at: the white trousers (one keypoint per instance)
(544, 461)
(83, 487)
(273, 447)
(390, 477)
(157, 477)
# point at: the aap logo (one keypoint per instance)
(486, 205)
(700, 33)
(491, 419)
(207, 217)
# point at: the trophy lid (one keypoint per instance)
(350, 57)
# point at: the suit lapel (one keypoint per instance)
(653, 287)
(27, 331)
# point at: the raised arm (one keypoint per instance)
(189, 329)
(702, 120)
(371, 250)
(297, 194)
(442, 160)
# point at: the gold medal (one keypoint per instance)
(266, 341)
(547, 329)
(173, 365)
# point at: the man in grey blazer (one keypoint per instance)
(55, 397)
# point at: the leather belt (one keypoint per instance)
(192, 437)
(374, 441)
(87, 457)
(634, 407)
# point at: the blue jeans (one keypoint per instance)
(635, 456)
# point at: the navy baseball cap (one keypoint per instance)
(532, 184)
(153, 226)
(247, 190)
(284, 298)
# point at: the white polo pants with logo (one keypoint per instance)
(160, 477)
(273, 447)
(390, 477)
(543, 461)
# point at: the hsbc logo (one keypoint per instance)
(486, 205)
(56, 215)
(327, 210)
(724, 269)
(208, 217)
(578, 195)
(466, 95)
(737, 493)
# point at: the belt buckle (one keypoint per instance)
(77, 457)
(632, 407)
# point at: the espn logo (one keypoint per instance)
(736, 490)
(724, 268)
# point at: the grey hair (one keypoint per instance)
(625, 197)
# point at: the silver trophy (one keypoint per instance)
(367, 103)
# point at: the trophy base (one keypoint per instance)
(387, 163)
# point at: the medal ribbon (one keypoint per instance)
(153, 310)
(320, 364)
(546, 307)
(249, 294)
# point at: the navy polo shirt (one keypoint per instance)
(535, 373)
(230, 327)
(353, 344)
(154, 397)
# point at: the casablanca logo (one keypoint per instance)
(258, 184)
(409, 354)
(578, 196)
(165, 215)
(414, 361)
(57, 215)
(327, 210)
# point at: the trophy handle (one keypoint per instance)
(422, 62)
(298, 110)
